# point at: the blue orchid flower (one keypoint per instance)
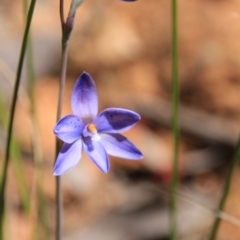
(98, 134)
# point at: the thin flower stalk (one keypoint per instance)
(65, 38)
(175, 123)
(58, 143)
(12, 113)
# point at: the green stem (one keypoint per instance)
(67, 27)
(225, 192)
(38, 208)
(58, 143)
(59, 112)
(175, 123)
(12, 113)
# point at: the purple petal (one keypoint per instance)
(84, 100)
(68, 157)
(97, 154)
(69, 128)
(116, 120)
(119, 146)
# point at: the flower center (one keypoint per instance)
(92, 128)
(91, 131)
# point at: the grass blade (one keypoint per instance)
(175, 123)
(12, 113)
(225, 192)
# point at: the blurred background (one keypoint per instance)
(126, 47)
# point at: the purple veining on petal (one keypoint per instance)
(116, 120)
(84, 100)
(69, 128)
(97, 154)
(68, 157)
(119, 146)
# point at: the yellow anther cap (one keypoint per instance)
(92, 128)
